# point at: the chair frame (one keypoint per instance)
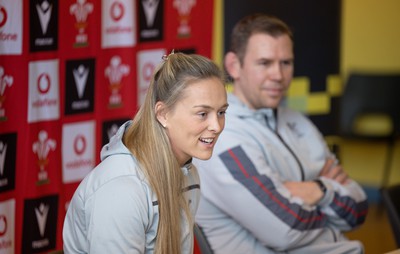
(391, 201)
(372, 93)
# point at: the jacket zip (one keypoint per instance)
(285, 144)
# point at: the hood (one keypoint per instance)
(239, 109)
(116, 146)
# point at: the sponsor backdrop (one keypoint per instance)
(71, 72)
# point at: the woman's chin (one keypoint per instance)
(203, 156)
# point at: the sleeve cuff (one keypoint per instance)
(329, 194)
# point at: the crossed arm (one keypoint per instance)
(309, 191)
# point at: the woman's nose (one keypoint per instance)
(216, 124)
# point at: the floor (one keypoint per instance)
(375, 234)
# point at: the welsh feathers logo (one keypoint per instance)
(184, 8)
(81, 10)
(6, 81)
(115, 71)
(42, 148)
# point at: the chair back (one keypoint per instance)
(391, 200)
(374, 95)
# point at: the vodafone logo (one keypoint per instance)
(147, 71)
(3, 225)
(3, 16)
(78, 157)
(117, 11)
(11, 28)
(79, 144)
(118, 26)
(43, 96)
(43, 83)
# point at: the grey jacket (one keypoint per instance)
(244, 206)
(114, 209)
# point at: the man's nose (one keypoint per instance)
(275, 72)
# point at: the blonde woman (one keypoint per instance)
(143, 195)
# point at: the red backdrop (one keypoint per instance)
(71, 71)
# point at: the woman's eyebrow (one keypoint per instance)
(209, 107)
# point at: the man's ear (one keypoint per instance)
(161, 113)
(232, 64)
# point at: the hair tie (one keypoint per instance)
(165, 57)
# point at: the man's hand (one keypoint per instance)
(308, 191)
(334, 171)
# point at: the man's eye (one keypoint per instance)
(265, 63)
(287, 63)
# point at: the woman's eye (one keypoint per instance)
(203, 114)
(221, 113)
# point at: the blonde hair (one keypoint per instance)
(149, 143)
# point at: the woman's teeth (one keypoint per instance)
(207, 140)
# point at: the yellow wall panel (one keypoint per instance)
(334, 85)
(318, 103)
(300, 86)
(370, 36)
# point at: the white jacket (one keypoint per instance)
(114, 209)
(244, 206)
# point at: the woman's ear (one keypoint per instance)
(161, 113)
(232, 64)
